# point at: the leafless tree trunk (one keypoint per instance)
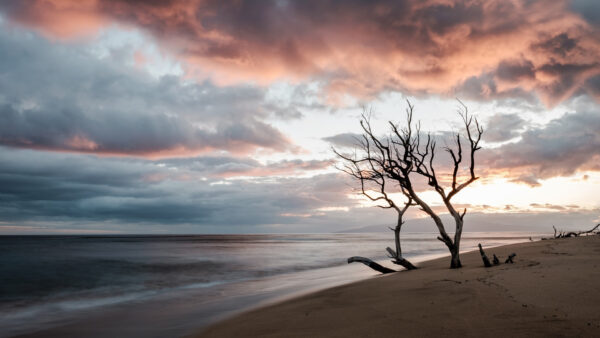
(406, 152)
(397, 254)
(371, 177)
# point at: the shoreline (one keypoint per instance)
(551, 290)
(368, 275)
(182, 311)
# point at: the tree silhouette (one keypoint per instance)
(370, 177)
(405, 153)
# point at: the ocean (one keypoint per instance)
(155, 285)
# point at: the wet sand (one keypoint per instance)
(552, 290)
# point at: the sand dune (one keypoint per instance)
(552, 290)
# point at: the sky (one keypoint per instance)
(220, 116)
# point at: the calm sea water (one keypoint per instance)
(57, 281)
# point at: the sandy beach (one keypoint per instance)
(552, 290)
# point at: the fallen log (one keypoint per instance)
(562, 234)
(486, 261)
(370, 263)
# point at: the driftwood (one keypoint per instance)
(370, 263)
(510, 258)
(496, 261)
(397, 259)
(563, 234)
(484, 258)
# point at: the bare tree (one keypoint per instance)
(373, 185)
(407, 152)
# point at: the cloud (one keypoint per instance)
(220, 167)
(589, 9)
(61, 187)
(57, 94)
(560, 44)
(63, 98)
(354, 47)
(552, 82)
(515, 70)
(562, 147)
(564, 79)
(529, 179)
(503, 127)
(344, 140)
(85, 193)
(592, 85)
(553, 206)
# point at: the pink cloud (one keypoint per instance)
(60, 19)
(357, 48)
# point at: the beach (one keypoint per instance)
(551, 290)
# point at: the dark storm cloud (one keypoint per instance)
(63, 98)
(361, 48)
(48, 186)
